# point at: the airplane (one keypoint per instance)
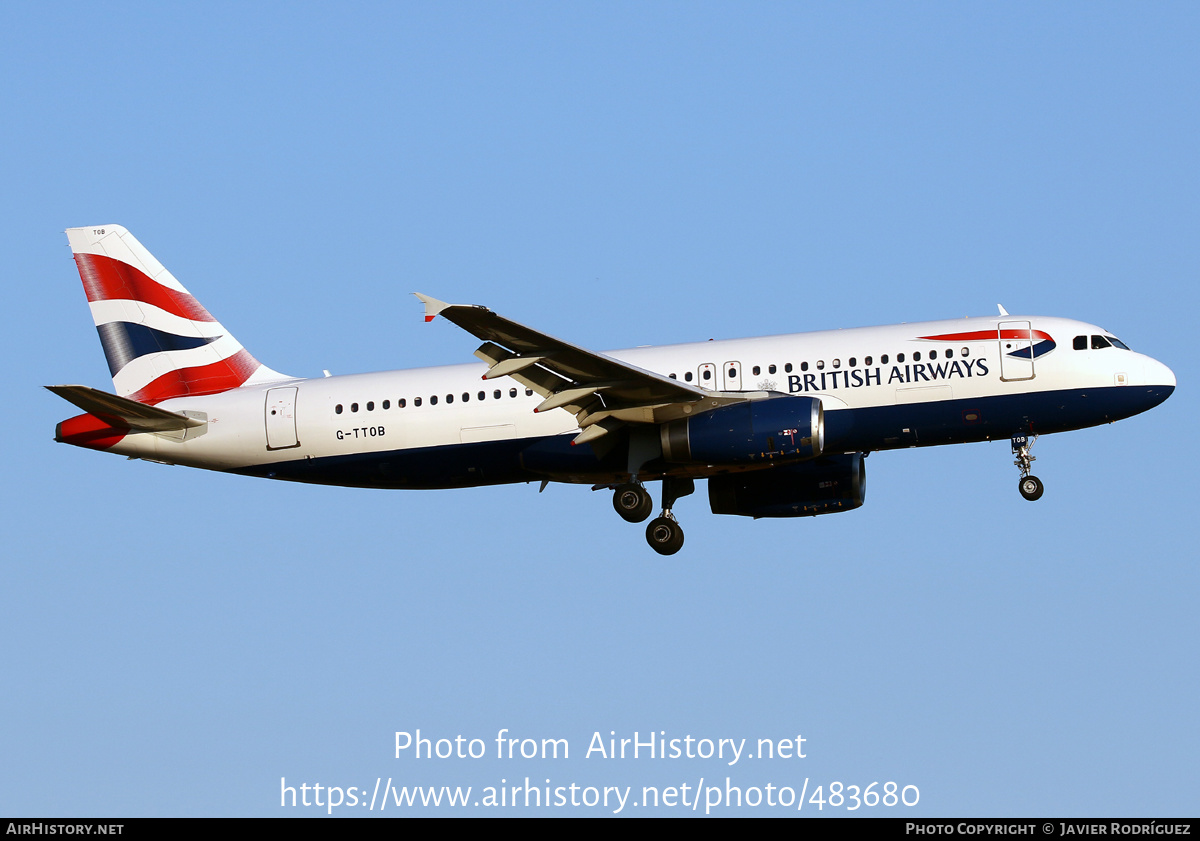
(778, 425)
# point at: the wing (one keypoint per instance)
(602, 393)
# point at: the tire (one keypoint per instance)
(664, 536)
(1031, 488)
(632, 502)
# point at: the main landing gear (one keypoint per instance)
(1031, 487)
(664, 534)
(632, 502)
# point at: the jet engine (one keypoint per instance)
(824, 486)
(779, 428)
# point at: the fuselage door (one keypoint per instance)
(1016, 350)
(733, 376)
(281, 418)
(706, 376)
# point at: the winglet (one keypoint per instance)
(432, 306)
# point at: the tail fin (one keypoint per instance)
(160, 342)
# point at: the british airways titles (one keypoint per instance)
(904, 374)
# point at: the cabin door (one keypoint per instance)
(281, 418)
(1016, 350)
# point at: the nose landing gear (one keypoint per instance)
(1031, 487)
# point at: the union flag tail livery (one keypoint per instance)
(780, 426)
(160, 341)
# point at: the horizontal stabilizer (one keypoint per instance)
(121, 411)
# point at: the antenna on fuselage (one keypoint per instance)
(1003, 311)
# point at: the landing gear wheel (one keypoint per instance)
(664, 536)
(1031, 487)
(632, 502)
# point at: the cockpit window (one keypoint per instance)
(1080, 343)
(1099, 343)
(1117, 342)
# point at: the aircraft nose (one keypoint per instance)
(1159, 375)
(1158, 383)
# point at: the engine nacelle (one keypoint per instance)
(824, 486)
(779, 428)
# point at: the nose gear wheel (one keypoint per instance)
(1031, 487)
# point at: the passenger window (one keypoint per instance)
(965, 351)
(529, 392)
(853, 362)
(672, 376)
(449, 398)
(387, 404)
(757, 370)
(837, 363)
(688, 376)
(883, 359)
(867, 361)
(416, 401)
(933, 354)
(787, 369)
(338, 408)
(353, 407)
(1099, 343)
(512, 392)
(803, 366)
(371, 406)
(433, 400)
(820, 364)
(899, 357)
(732, 372)
(707, 374)
(1079, 343)
(401, 403)
(917, 356)
(771, 369)
(482, 395)
(496, 394)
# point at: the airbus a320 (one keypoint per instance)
(779, 426)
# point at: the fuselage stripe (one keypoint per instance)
(984, 335)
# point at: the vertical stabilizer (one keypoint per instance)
(160, 341)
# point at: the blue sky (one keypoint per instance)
(615, 174)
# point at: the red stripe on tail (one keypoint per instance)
(106, 279)
(204, 379)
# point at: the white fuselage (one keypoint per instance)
(869, 380)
